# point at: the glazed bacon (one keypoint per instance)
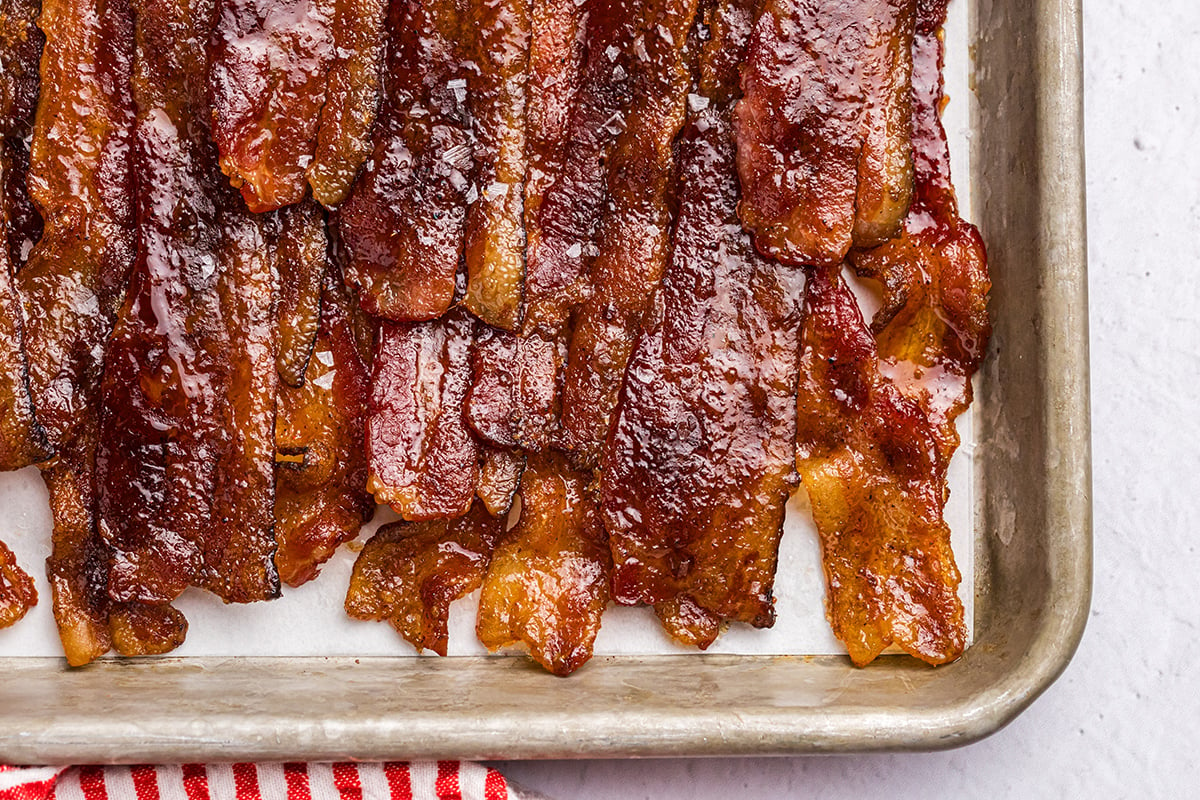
(17, 592)
(410, 572)
(698, 467)
(870, 459)
(301, 257)
(547, 584)
(321, 499)
(402, 225)
(634, 232)
(495, 235)
(294, 88)
(185, 465)
(822, 132)
(514, 397)
(423, 459)
(81, 182)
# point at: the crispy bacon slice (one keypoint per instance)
(933, 327)
(700, 462)
(17, 592)
(634, 233)
(294, 87)
(81, 182)
(20, 50)
(402, 225)
(22, 440)
(572, 153)
(495, 235)
(410, 573)
(547, 585)
(870, 459)
(321, 465)
(423, 459)
(822, 131)
(514, 399)
(185, 464)
(499, 478)
(300, 254)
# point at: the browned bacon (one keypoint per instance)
(410, 573)
(321, 466)
(513, 400)
(81, 182)
(402, 225)
(294, 87)
(17, 592)
(822, 132)
(423, 459)
(547, 584)
(187, 431)
(699, 465)
(499, 478)
(870, 459)
(300, 253)
(495, 235)
(634, 233)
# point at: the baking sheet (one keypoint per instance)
(310, 621)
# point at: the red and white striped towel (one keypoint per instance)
(392, 780)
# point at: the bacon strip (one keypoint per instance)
(499, 478)
(698, 468)
(81, 182)
(634, 234)
(187, 435)
(547, 585)
(822, 131)
(402, 225)
(321, 465)
(301, 255)
(870, 459)
(423, 459)
(495, 235)
(514, 399)
(17, 592)
(410, 573)
(294, 87)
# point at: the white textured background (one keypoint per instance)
(1124, 719)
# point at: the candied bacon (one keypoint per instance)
(495, 235)
(410, 572)
(185, 465)
(822, 130)
(301, 255)
(499, 478)
(513, 400)
(700, 463)
(547, 584)
(17, 592)
(402, 225)
(422, 458)
(321, 466)
(870, 459)
(634, 232)
(294, 86)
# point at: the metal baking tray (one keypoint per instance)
(1033, 551)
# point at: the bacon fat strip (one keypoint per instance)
(422, 458)
(933, 327)
(634, 234)
(495, 234)
(301, 254)
(187, 436)
(870, 459)
(294, 87)
(699, 465)
(81, 182)
(402, 226)
(410, 572)
(17, 592)
(321, 466)
(547, 584)
(822, 131)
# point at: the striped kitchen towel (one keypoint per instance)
(392, 780)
